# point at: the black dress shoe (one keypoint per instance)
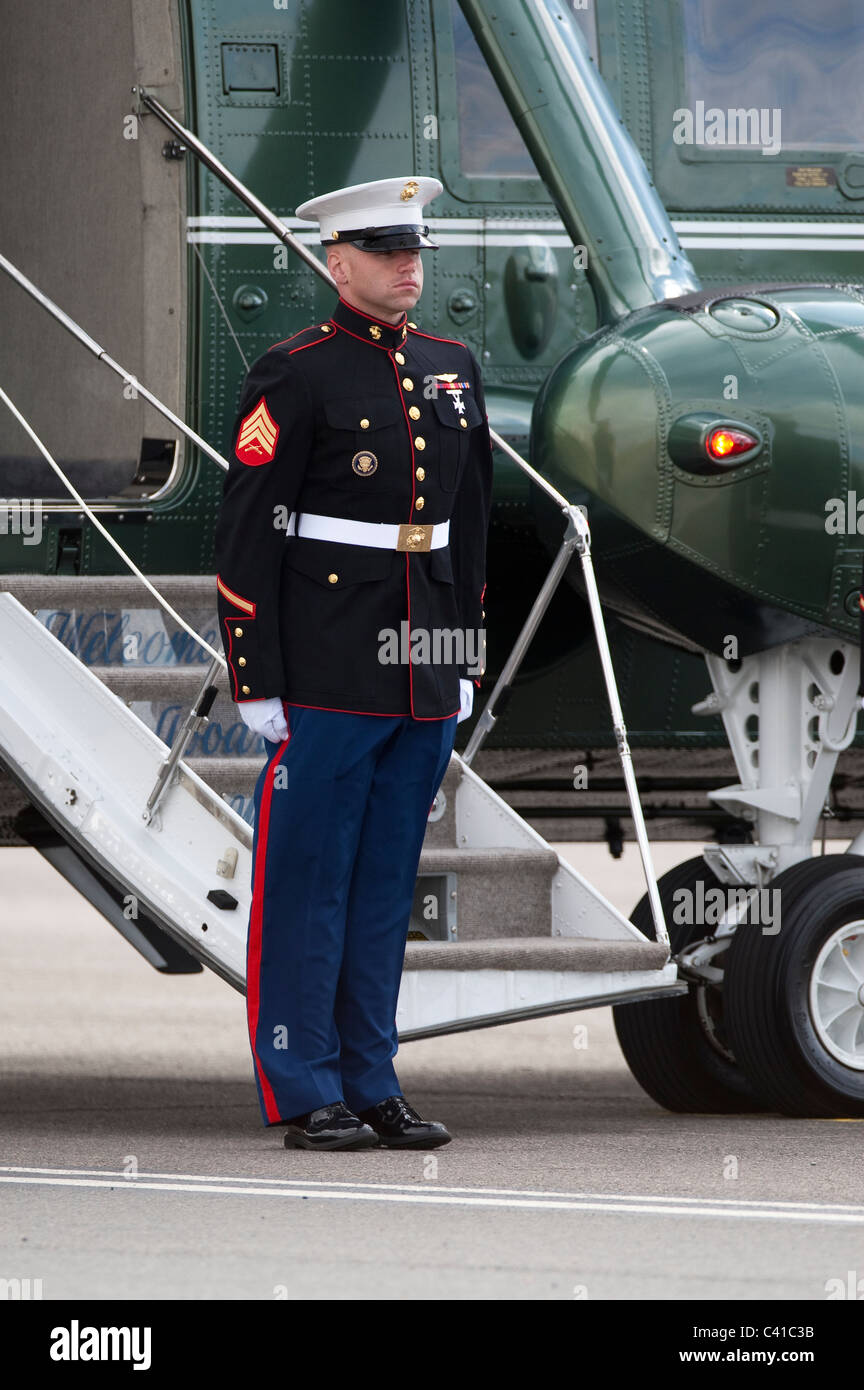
(330, 1127)
(398, 1126)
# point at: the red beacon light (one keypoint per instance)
(708, 444)
(727, 443)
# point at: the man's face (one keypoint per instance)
(384, 284)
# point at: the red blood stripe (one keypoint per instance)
(253, 962)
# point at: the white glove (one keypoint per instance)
(265, 717)
(466, 700)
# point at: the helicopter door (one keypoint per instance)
(76, 226)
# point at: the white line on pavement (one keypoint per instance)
(832, 1213)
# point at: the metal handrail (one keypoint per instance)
(198, 714)
(230, 180)
(100, 353)
(88, 511)
(577, 537)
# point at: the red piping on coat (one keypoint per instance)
(253, 955)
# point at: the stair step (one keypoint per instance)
(443, 830)
(500, 892)
(436, 859)
(536, 953)
(94, 592)
(228, 775)
(176, 685)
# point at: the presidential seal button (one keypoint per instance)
(375, 331)
(420, 442)
(400, 358)
(414, 412)
(364, 463)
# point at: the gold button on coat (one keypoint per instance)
(421, 473)
(364, 424)
(464, 424)
(420, 504)
(333, 578)
(245, 690)
(400, 358)
(414, 412)
(420, 442)
(241, 661)
(408, 383)
(238, 632)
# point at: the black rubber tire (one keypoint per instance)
(665, 1041)
(767, 981)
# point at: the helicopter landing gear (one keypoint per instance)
(774, 1014)
(794, 1000)
(678, 1049)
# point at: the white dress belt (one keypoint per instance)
(314, 526)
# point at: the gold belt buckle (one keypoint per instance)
(414, 536)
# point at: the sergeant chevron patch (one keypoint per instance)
(256, 441)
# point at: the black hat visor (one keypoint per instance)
(406, 237)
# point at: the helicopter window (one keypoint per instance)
(802, 60)
(490, 145)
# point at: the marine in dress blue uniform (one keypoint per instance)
(351, 536)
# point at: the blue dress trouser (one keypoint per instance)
(341, 809)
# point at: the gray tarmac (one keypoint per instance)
(133, 1162)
